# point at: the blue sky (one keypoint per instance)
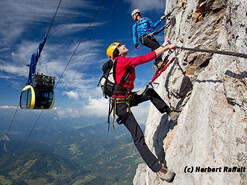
(77, 97)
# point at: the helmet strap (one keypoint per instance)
(138, 14)
(135, 18)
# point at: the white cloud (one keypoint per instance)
(19, 16)
(98, 107)
(140, 112)
(62, 113)
(147, 5)
(16, 16)
(7, 107)
(95, 107)
(54, 65)
(64, 29)
(72, 95)
(14, 70)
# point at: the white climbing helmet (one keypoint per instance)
(135, 11)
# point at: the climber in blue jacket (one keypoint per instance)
(142, 31)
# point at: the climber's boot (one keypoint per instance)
(165, 174)
(157, 66)
(174, 114)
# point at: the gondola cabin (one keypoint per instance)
(40, 94)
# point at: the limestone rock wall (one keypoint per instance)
(211, 130)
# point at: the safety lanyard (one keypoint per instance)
(162, 68)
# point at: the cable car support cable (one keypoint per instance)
(12, 121)
(79, 69)
(78, 44)
(64, 71)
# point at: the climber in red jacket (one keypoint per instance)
(119, 52)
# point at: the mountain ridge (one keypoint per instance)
(91, 155)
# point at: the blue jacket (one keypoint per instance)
(143, 27)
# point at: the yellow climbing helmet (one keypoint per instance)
(110, 50)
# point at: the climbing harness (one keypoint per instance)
(115, 101)
(229, 53)
(171, 22)
(141, 24)
(121, 100)
(130, 96)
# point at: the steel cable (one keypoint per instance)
(229, 53)
(7, 133)
(64, 70)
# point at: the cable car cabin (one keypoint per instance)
(32, 98)
(40, 94)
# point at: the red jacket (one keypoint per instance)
(123, 63)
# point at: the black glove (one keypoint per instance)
(136, 45)
(168, 15)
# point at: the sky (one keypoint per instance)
(77, 97)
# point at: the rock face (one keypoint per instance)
(210, 134)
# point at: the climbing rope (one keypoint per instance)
(229, 53)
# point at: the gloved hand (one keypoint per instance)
(162, 18)
(137, 46)
(169, 14)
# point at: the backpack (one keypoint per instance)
(108, 80)
(109, 85)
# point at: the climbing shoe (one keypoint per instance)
(157, 66)
(174, 114)
(165, 174)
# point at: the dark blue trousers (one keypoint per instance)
(152, 43)
(131, 124)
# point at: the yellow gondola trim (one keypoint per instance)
(53, 98)
(32, 103)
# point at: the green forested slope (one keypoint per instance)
(90, 155)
